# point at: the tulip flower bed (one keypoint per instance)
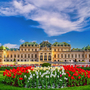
(47, 77)
(77, 76)
(16, 76)
(50, 77)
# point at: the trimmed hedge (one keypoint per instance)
(8, 68)
(46, 64)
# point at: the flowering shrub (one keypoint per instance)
(16, 76)
(46, 77)
(77, 76)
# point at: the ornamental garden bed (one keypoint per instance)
(46, 77)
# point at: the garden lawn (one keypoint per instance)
(8, 87)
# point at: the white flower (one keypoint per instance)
(47, 76)
(40, 73)
(60, 80)
(58, 76)
(29, 78)
(37, 77)
(60, 72)
(63, 73)
(25, 76)
(33, 74)
(62, 87)
(66, 78)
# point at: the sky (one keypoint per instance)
(40, 20)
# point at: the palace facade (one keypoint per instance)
(33, 53)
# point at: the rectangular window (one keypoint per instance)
(58, 55)
(25, 55)
(35, 55)
(82, 55)
(21, 56)
(72, 55)
(32, 55)
(75, 55)
(65, 55)
(68, 55)
(61, 55)
(7, 56)
(14, 56)
(18, 56)
(28, 55)
(54, 55)
(79, 55)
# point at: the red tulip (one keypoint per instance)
(20, 78)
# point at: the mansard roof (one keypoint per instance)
(29, 43)
(61, 44)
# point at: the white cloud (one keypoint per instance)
(0, 44)
(56, 17)
(11, 45)
(69, 41)
(21, 40)
(54, 40)
(34, 41)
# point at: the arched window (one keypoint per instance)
(41, 56)
(54, 49)
(18, 60)
(35, 49)
(45, 56)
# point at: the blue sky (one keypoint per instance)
(39, 20)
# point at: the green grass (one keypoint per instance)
(8, 87)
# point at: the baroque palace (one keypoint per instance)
(33, 53)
